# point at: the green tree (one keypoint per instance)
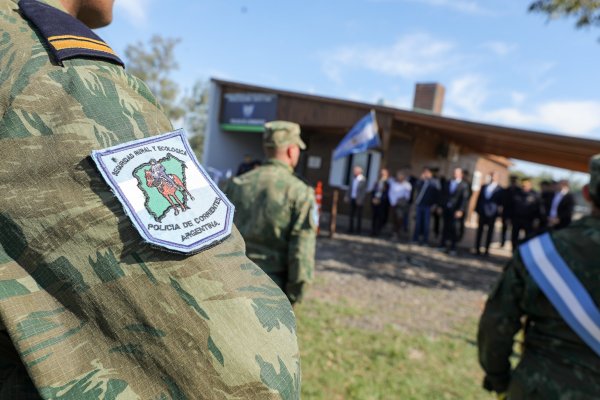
(196, 115)
(586, 12)
(153, 64)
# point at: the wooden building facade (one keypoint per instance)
(411, 140)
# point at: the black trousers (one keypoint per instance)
(355, 212)
(436, 224)
(485, 222)
(505, 222)
(450, 231)
(517, 227)
(380, 217)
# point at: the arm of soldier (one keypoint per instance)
(500, 321)
(301, 247)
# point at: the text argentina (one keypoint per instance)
(199, 230)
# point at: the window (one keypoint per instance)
(340, 173)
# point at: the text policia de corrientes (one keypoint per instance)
(200, 223)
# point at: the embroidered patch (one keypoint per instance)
(166, 193)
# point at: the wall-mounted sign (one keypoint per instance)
(248, 111)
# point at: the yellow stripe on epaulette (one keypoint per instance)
(61, 37)
(70, 42)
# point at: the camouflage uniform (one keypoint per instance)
(275, 213)
(555, 363)
(87, 310)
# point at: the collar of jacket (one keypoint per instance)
(66, 36)
(278, 163)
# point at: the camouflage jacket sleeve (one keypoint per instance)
(88, 310)
(301, 250)
(499, 323)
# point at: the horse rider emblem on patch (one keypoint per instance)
(163, 184)
(166, 193)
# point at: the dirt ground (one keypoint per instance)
(408, 287)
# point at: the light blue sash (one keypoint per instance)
(563, 289)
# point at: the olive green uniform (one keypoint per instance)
(87, 309)
(556, 363)
(276, 215)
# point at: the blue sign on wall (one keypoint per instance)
(248, 111)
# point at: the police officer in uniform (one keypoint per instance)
(276, 211)
(551, 290)
(88, 309)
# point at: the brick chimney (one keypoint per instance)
(429, 97)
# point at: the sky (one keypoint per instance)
(498, 63)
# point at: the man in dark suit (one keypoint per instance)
(426, 197)
(461, 225)
(509, 198)
(488, 205)
(562, 206)
(528, 213)
(547, 192)
(455, 196)
(380, 203)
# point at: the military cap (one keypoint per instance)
(595, 175)
(282, 133)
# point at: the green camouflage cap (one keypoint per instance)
(595, 175)
(282, 133)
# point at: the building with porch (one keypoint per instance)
(411, 140)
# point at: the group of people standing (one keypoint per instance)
(522, 209)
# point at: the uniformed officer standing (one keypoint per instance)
(551, 288)
(88, 309)
(276, 211)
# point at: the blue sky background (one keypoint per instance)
(499, 64)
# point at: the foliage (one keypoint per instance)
(575, 184)
(154, 64)
(197, 143)
(340, 361)
(586, 12)
(196, 115)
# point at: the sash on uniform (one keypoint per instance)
(563, 289)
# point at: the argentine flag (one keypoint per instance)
(362, 136)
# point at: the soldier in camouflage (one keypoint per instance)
(88, 310)
(276, 211)
(555, 362)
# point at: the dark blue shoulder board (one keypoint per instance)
(67, 37)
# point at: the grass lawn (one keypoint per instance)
(344, 362)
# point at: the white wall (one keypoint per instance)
(226, 150)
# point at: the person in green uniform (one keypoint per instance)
(88, 309)
(551, 290)
(276, 211)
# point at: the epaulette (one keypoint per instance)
(67, 37)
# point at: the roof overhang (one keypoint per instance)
(555, 150)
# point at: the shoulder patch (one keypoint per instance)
(169, 198)
(66, 36)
